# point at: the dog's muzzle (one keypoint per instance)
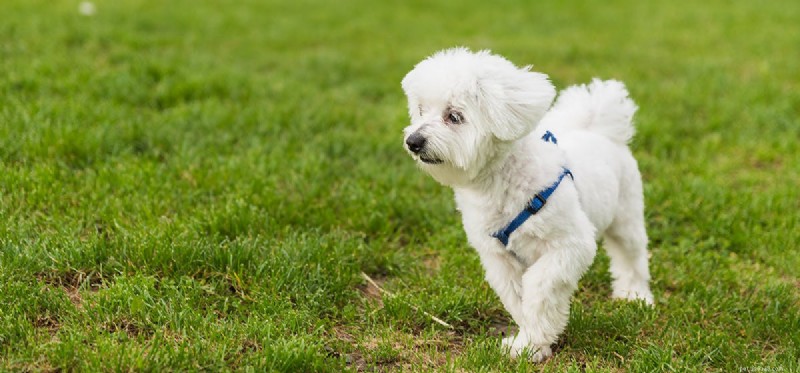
(416, 144)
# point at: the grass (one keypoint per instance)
(199, 186)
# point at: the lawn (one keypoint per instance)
(205, 185)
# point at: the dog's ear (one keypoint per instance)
(514, 100)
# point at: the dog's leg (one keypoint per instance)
(547, 287)
(504, 276)
(626, 244)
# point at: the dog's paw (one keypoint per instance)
(518, 347)
(637, 293)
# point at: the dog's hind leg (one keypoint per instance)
(625, 242)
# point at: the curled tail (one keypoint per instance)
(602, 106)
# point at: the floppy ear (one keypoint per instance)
(514, 100)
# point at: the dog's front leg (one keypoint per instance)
(504, 275)
(547, 288)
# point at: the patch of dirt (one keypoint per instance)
(236, 286)
(71, 283)
(432, 263)
(72, 279)
(353, 359)
(47, 322)
(127, 327)
(74, 297)
(372, 293)
(249, 345)
(773, 164)
(410, 351)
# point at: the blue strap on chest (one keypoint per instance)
(536, 203)
(549, 137)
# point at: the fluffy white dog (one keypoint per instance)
(486, 128)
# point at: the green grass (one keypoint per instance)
(199, 186)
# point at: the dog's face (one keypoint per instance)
(466, 107)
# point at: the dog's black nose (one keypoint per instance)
(415, 142)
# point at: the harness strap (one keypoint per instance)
(536, 203)
(549, 137)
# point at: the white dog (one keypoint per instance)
(536, 186)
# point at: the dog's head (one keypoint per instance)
(466, 107)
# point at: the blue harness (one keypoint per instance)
(537, 202)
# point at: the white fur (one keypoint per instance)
(495, 161)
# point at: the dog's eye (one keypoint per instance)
(420, 110)
(455, 117)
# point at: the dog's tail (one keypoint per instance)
(602, 107)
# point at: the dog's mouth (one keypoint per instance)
(427, 160)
